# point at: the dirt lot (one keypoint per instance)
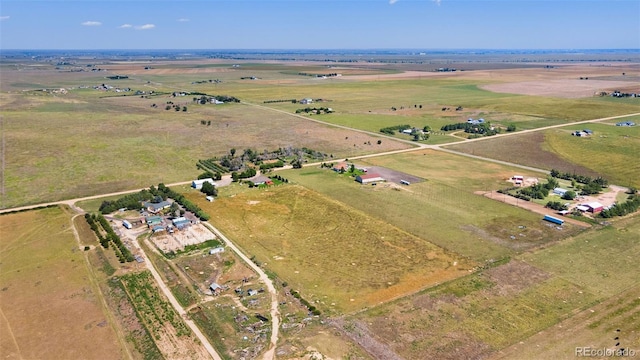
(194, 234)
(393, 175)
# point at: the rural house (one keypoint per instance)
(197, 184)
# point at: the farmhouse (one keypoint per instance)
(341, 167)
(369, 178)
(261, 180)
(197, 184)
(156, 207)
(306, 101)
(181, 222)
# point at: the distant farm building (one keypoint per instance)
(582, 133)
(153, 220)
(181, 222)
(405, 182)
(127, 224)
(517, 179)
(369, 178)
(594, 207)
(197, 184)
(209, 198)
(475, 121)
(626, 123)
(560, 191)
(306, 101)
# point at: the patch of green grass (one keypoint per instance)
(602, 261)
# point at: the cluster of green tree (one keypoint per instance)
(391, 130)
(304, 302)
(293, 101)
(279, 178)
(277, 164)
(511, 128)
(482, 128)
(556, 205)
(129, 202)
(209, 189)
(180, 199)
(540, 191)
(211, 243)
(569, 195)
(249, 172)
(296, 163)
(121, 251)
(315, 110)
(210, 175)
(205, 99)
(621, 209)
(318, 75)
(205, 122)
(579, 178)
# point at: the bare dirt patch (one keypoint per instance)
(512, 278)
(194, 234)
(564, 88)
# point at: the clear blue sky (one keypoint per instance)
(310, 24)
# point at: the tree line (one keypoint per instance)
(121, 251)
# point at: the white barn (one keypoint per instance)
(197, 184)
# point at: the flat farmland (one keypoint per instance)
(65, 149)
(443, 208)
(611, 152)
(337, 258)
(48, 304)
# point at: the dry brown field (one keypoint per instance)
(49, 307)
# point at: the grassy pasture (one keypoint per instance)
(44, 281)
(339, 259)
(611, 152)
(595, 327)
(474, 316)
(57, 150)
(443, 209)
(587, 259)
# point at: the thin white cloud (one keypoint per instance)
(183, 20)
(437, 2)
(125, 26)
(3, 18)
(391, 2)
(145, 27)
(91, 23)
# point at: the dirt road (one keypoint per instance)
(275, 312)
(176, 305)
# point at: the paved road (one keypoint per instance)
(275, 312)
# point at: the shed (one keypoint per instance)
(158, 228)
(343, 166)
(216, 250)
(215, 288)
(127, 224)
(552, 219)
(252, 292)
(369, 178)
(261, 180)
(560, 191)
